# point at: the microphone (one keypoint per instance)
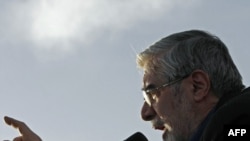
(138, 136)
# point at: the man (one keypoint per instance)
(192, 88)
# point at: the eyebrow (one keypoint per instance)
(150, 86)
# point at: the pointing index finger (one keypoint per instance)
(23, 128)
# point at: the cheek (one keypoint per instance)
(165, 107)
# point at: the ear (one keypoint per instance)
(201, 84)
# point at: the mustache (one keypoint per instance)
(157, 123)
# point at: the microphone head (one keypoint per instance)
(138, 136)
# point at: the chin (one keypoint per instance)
(170, 136)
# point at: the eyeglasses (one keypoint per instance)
(150, 94)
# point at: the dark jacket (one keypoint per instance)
(232, 109)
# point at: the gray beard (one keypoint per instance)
(171, 137)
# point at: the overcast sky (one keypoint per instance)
(67, 67)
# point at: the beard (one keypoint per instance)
(182, 125)
(171, 136)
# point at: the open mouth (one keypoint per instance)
(164, 129)
(160, 125)
(159, 128)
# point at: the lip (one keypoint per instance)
(159, 128)
(162, 128)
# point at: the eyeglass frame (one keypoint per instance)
(148, 93)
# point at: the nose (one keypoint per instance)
(147, 112)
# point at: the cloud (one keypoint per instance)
(54, 25)
(63, 19)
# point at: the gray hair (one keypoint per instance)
(181, 53)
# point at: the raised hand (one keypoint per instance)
(26, 133)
